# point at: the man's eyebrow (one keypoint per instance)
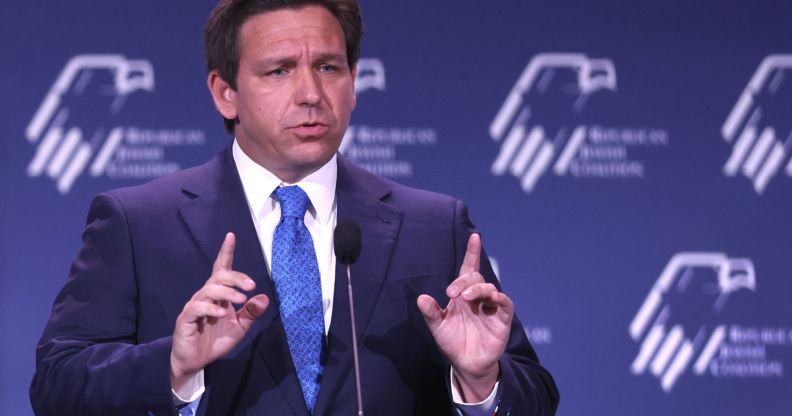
(324, 57)
(274, 61)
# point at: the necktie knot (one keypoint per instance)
(293, 201)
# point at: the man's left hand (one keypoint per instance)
(473, 329)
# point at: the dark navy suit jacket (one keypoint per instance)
(147, 249)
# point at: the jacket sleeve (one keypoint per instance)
(88, 361)
(527, 388)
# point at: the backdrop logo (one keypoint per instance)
(542, 124)
(370, 75)
(376, 148)
(681, 325)
(759, 126)
(74, 127)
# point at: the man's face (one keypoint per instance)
(295, 90)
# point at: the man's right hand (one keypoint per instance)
(209, 326)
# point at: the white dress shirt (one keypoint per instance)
(320, 219)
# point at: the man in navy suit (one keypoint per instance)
(139, 329)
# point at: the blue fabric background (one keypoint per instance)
(578, 255)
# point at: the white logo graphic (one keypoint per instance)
(91, 91)
(548, 119)
(65, 154)
(375, 148)
(677, 324)
(539, 335)
(527, 150)
(760, 123)
(370, 75)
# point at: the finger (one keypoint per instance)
(479, 291)
(225, 258)
(462, 282)
(430, 310)
(497, 302)
(472, 260)
(489, 298)
(219, 293)
(232, 278)
(196, 310)
(504, 302)
(252, 310)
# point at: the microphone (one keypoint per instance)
(346, 242)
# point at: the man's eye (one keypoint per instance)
(328, 68)
(277, 72)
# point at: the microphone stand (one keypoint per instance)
(354, 343)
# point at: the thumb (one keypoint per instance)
(430, 310)
(252, 310)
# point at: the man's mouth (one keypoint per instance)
(310, 129)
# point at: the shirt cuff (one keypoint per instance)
(190, 391)
(485, 407)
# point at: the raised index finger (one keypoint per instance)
(472, 260)
(225, 258)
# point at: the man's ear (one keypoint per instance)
(353, 73)
(223, 95)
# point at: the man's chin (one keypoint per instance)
(319, 150)
(307, 162)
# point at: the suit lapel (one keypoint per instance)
(360, 198)
(218, 206)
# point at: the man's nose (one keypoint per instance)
(308, 89)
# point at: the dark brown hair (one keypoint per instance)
(221, 33)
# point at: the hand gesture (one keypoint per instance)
(473, 329)
(209, 326)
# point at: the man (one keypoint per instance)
(139, 329)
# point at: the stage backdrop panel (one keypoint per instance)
(629, 165)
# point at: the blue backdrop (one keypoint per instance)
(627, 162)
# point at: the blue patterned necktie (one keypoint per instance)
(296, 276)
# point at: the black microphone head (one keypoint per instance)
(346, 240)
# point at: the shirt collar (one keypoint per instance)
(259, 184)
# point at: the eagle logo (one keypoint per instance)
(540, 122)
(90, 91)
(678, 323)
(759, 126)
